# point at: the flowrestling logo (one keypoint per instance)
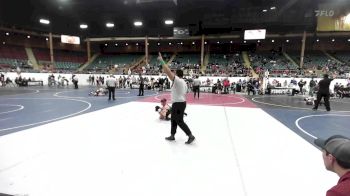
(325, 13)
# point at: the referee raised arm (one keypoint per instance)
(178, 99)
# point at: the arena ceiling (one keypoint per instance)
(200, 16)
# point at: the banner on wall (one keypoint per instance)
(70, 39)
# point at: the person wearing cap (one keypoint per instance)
(336, 158)
(323, 91)
(111, 83)
(178, 98)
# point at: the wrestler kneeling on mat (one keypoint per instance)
(164, 111)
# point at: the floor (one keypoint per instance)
(64, 142)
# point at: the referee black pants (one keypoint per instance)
(141, 90)
(111, 91)
(177, 118)
(196, 90)
(326, 100)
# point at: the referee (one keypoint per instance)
(111, 83)
(178, 98)
(323, 91)
(196, 86)
(141, 87)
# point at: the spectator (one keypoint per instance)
(312, 86)
(75, 81)
(301, 84)
(336, 158)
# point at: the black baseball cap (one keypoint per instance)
(337, 145)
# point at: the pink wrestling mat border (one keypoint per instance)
(229, 100)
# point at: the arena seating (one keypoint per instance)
(13, 56)
(295, 55)
(343, 67)
(122, 60)
(70, 60)
(225, 59)
(314, 59)
(272, 61)
(342, 56)
(183, 58)
(226, 64)
(153, 58)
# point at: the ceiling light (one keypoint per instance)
(273, 41)
(83, 26)
(231, 42)
(138, 23)
(258, 41)
(348, 40)
(7, 33)
(28, 36)
(287, 40)
(169, 43)
(106, 44)
(158, 44)
(205, 42)
(109, 25)
(47, 39)
(4, 43)
(193, 43)
(218, 42)
(137, 44)
(169, 22)
(44, 21)
(333, 40)
(272, 8)
(317, 40)
(126, 44)
(265, 10)
(245, 41)
(182, 43)
(116, 44)
(147, 44)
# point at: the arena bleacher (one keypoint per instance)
(64, 60)
(13, 56)
(104, 61)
